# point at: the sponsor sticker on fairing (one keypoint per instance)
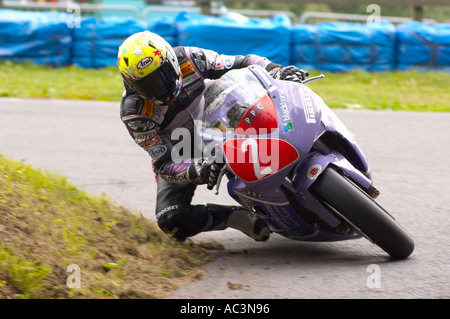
(314, 171)
(308, 108)
(285, 112)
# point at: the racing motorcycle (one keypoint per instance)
(292, 162)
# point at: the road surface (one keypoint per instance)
(409, 155)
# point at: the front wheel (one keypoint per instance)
(353, 205)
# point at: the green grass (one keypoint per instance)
(28, 80)
(48, 224)
(399, 90)
(26, 276)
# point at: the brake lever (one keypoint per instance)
(219, 179)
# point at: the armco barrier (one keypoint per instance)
(45, 38)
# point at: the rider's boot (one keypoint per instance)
(238, 218)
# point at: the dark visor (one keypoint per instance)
(158, 85)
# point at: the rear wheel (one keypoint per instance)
(353, 205)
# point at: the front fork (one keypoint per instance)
(307, 172)
(297, 187)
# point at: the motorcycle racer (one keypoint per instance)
(161, 84)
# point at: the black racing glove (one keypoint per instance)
(205, 171)
(289, 73)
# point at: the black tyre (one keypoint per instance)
(352, 204)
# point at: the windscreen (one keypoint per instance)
(238, 100)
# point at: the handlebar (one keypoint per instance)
(314, 78)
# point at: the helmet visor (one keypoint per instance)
(158, 85)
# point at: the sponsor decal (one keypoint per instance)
(218, 64)
(308, 107)
(314, 171)
(141, 125)
(335, 157)
(229, 61)
(253, 112)
(146, 145)
(160, 111)
(175, 178)
(187, 68)
(157, 151)
(285, 112)
(248, 120)
(143, 137)
(287, 127)
(144, 63)
(148, 109)
(165, 210)
(261, 116)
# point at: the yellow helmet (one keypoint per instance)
(150, 67)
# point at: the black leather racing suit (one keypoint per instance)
(151, 126)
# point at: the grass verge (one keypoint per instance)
(29, 80)
(400, 90)
(57, 241)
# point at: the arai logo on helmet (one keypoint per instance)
(144, 63)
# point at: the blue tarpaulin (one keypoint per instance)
(46, 38)
(303, 48)
(344, 46)
(423, 46)
(236, 34)
(96, 42)
(166, 28)
(40, 37)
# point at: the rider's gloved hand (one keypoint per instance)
(205, 171)
(290, 73)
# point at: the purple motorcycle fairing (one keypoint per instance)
(283, 199)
